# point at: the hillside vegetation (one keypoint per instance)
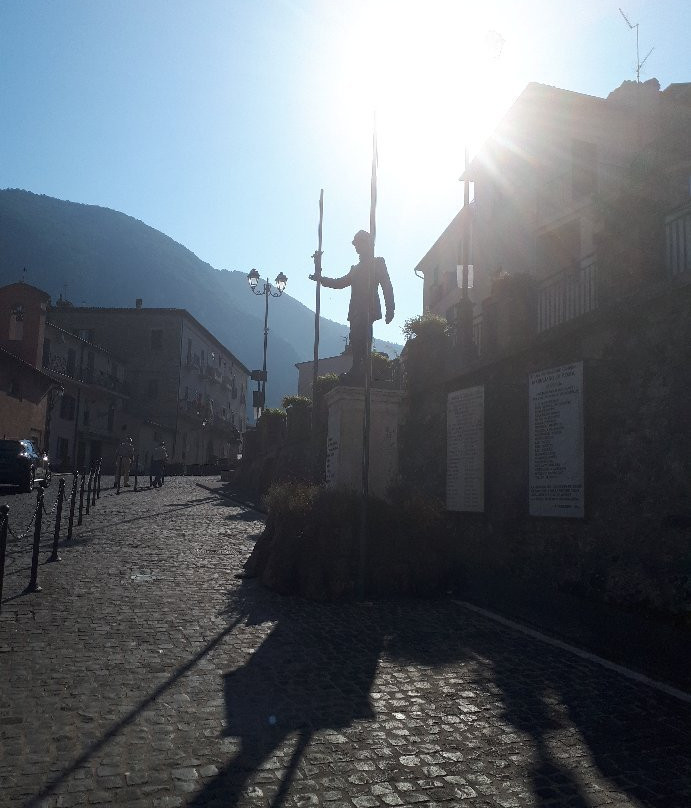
(105, 258)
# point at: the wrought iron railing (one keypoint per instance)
(62, 367)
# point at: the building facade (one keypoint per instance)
(24, 387)
(546, 190)
(84, 421)
(329, 364)
(185, 386)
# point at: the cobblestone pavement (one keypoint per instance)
(144, 674)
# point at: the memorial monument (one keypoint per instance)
(364, 279)
(347, 402)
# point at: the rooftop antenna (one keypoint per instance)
(639, 63)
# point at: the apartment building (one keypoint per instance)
(185, 386)
(543, 187)
(86, 418)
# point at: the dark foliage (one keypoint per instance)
(310, 546)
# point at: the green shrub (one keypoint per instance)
(310, 546)
(382, 366)
(325, 384)
(273, 412)
(426, 326)
(296, 401)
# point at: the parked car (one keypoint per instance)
(22, 464)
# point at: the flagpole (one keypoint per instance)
(317, 274)
(371, 282)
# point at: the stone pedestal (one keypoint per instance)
(344, 439)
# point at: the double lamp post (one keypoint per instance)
(253, 278)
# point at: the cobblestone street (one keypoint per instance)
(145, 674)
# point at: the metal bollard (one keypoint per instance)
(4, 523)
(93, 488)
(81, 499)
(136, 471)
(118, 473)
(33, 586)
(98, 481)
(58, 518)
(88, 491)
(73, 498)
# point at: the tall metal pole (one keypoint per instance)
(267, 287)
(317, 274)
(371, 284)
(466, 224)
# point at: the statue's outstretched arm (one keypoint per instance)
(333, 283)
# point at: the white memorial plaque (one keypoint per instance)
(465, 450)
(556, 442)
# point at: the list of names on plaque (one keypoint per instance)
(556, 441)
(465, 450)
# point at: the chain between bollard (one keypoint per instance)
(46, 512)
(58, 518)
(4, 524)
(33, 582)
(26, 530)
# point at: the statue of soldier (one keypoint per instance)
(358, 315)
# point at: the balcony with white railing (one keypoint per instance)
(567, 294)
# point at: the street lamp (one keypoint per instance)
(253, 279)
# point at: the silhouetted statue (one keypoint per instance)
(359, 281)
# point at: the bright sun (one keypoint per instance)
(430, 73)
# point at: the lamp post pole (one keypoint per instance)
(267, 290)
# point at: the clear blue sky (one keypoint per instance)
(218, 122)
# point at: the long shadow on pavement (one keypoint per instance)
(572, 720)
(302, 679)
(315, 670)
(636, 738)
(130, 717)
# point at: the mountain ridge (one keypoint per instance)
(108, 258)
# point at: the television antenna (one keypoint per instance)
(639, 63)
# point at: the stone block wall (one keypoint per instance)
(633, 547)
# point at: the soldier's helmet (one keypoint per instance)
(362, 237)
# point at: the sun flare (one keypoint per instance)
(432, 76)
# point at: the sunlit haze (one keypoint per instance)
(219, 122)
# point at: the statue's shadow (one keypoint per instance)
(310, 673)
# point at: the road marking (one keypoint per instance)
(572, 649)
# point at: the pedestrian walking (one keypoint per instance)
(159, 457)
(123, 461)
